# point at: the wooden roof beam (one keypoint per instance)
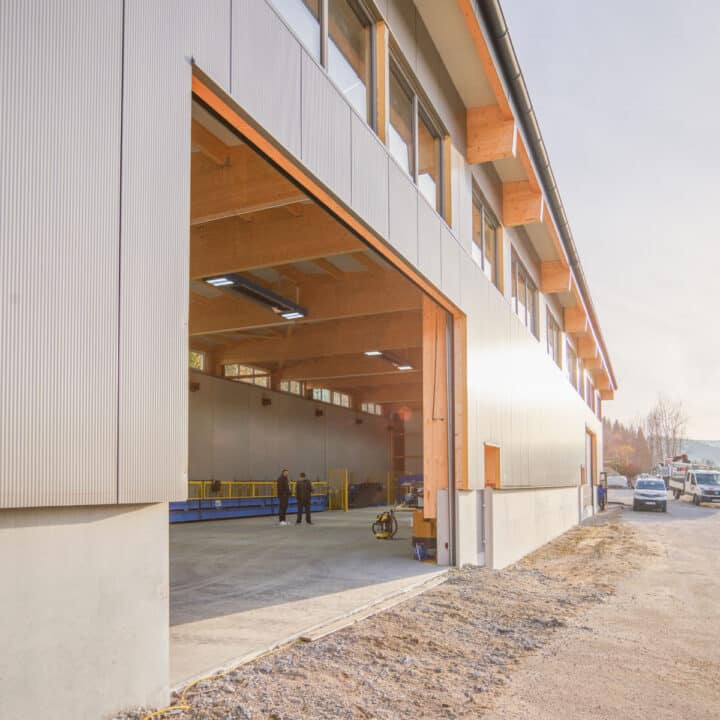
(587, 348)
(521, 204)
(555, 277)
(324, 299)
(396, 331)
(273, 239)
(391, 394)
(353, 367)
(491, 134)
(576, 320)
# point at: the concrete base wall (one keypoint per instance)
(520, 521)
(83, 611)
(469, 533)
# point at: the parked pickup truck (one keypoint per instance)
(701, 485)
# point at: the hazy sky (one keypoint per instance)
(628, 99)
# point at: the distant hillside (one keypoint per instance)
(703, 450)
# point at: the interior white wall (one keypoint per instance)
(234, 437)
(83, 610)
(541, 514)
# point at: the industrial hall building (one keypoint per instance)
(238, 236)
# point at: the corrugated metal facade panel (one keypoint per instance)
(60, 80)
(326, 137)
(208, 24)
(154, 253)
(450, 265)
(266, 60)
(369, 176)
(403, 202)
(429, 257)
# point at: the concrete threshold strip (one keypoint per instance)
(311, 634)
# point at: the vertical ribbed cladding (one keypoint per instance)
(60, 75)
(154, 252)
(266, 60)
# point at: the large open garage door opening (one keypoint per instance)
(308, 351)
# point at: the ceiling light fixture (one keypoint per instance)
(372, 353)
(404, 367)
(281, 306)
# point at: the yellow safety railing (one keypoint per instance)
(232, 490)
(338, 489)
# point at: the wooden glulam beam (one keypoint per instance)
(345, 366)
(602, 380)
(576, 320)
(555, 277)
(363, 384)
(392, 394)
(324, 299)
(394, 331)
(607, 394)
(521, 204)
(587, 348)
(244, 183)
(273, 239)
(491, 135)
(593, 363)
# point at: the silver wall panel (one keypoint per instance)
(403, 220)
(326, 136)
(154, 253)
(369, 176)
(450, 265)
(208, 24)
(401, 18)
(429, 256)
(266, 62)
(60, 93)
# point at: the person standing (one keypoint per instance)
(303, 493)
(283, 494)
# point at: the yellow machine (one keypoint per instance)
(385, 526)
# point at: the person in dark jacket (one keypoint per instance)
(283, 493)
(303, 493)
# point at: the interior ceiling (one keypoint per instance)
(250, 220)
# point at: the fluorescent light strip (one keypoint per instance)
(404, 367)
(372, 353)
(219, 282)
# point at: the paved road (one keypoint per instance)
(653, 651)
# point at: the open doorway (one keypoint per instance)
(309, 351)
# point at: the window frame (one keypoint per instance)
(479, 202)
(550, 321)
(363, 10)
(256, 374)
(420, 107)
(573, 375)
(518, 271)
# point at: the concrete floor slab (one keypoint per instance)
(240, 586)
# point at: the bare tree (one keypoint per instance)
(665, 428)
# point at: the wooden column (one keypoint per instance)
(435, 404)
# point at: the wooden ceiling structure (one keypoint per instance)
(248, 219)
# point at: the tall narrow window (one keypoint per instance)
(349, 54)
(401, 136)
(524, 295)
(303, 16)
(428, 162)
(485, 241)
(553, 339)
(572, 365)
(415, 140)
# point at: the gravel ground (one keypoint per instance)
(445, 654)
